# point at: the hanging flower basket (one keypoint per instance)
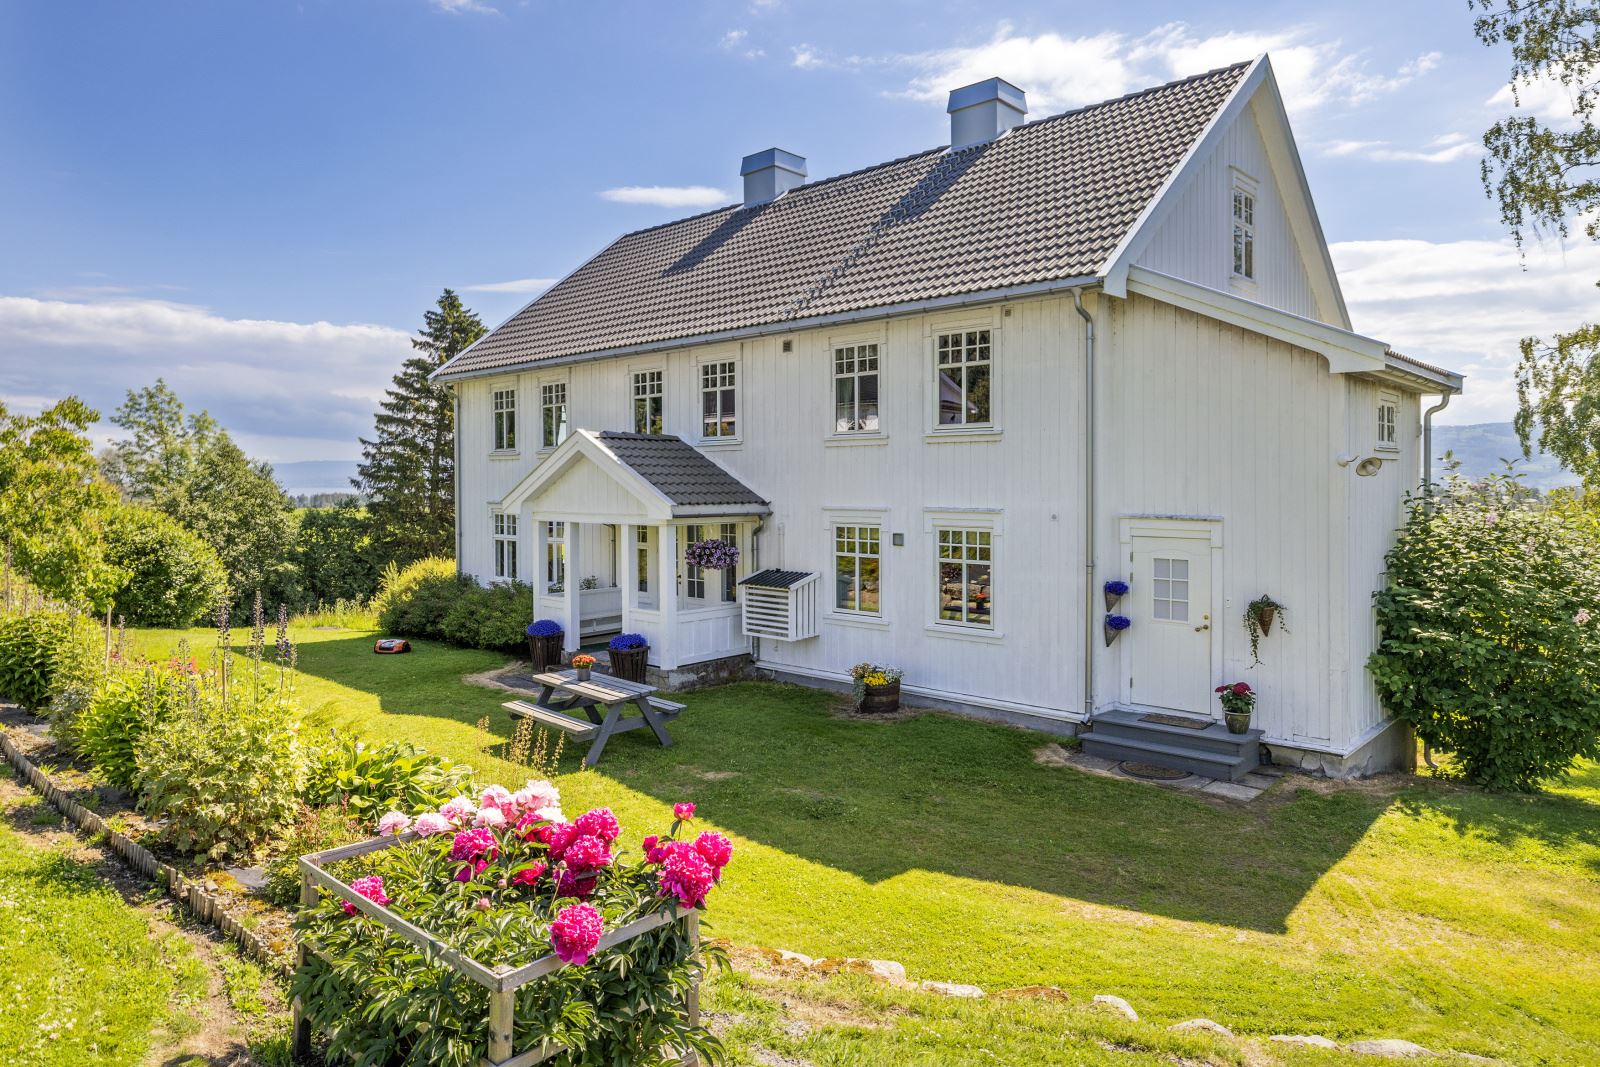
(1115, 590)
(711, 555)
(1114, 625)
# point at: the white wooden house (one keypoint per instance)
(949, 397)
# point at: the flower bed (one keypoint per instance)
(568, 945)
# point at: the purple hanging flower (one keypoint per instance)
(1118, 622)
(711, 555)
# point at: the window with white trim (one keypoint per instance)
(696, 582)
(553, 411)
(1244, 228)
(719, 388)
(1388, 418)
(642, 548)
(555, 557)
(857, 571)
(505, 420)
(965, 576)
(965, 378)
(648, 406)
(1169, 588)
(505, 546)
(855, 389)
(694, 578)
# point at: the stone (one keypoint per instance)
(952, 989)
(1231, 790)
(1307, 1040)
(1043, 992)
(1116, 1004)
(883, 970)
(1390, 1047)
(1191, 1026)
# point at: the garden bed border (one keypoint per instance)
(191, 894)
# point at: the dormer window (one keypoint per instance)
(1244, 227)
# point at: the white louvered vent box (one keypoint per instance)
(781, 605)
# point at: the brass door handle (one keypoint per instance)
(1207, 626)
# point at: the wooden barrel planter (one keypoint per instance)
(546, 652)
(629, 665)
(878, 699)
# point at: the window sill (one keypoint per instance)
(986, 433)
(964, 633)
(719, 444)
(505, 453)
(1393, 450)
(856, 439)
(867, 622)
(1243, 284)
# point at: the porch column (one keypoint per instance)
(666, 644)
(627, 538)
(573, 610)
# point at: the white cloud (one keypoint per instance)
(1059, 71)
(738, 41)
(295, 390)
(667, 195)
(807, 57)
(1443, 149)
(1546, 98)
(1466, 304)
(517, 285)
(459, 7)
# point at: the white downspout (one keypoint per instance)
(1427, 440)
(1089, 608)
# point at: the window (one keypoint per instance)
(642, 537)
(555, 557)
(856, 569)
(505, 547)
(695, 583)
(718, 389)
(647, 406)
(730, 575)
(554, 409)
(855, 389)
(1170, 588)
(965, 588)
(964, 378)
(505, 420)
(1244, 229)
(1388, 410)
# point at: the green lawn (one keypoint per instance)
(1415, 910)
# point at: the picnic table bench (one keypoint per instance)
(601, 699)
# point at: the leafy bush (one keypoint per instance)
(173, 576)
(333, 549)
(493, 618)
(1490, 633)
(313, 830)
(80, 669)
(33, 646)
(225, 770)
(509, 890)
(368, 781)
(414, 602)
(125, 707)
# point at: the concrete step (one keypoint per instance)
(1157, 750)
(1214, 738)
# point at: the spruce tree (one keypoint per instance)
(407, 472)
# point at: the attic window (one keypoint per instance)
(1244, 227)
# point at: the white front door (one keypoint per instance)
(1169, 644)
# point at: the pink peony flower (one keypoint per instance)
(395, 822)
(431, 823)
(474, 844)
(492, 818)
(459, 810)
(683, 812)
(529, 875)
(575, 932)
(715, 850)
(370, 887)
(649, 842)
(573, 884)
(558, 835)
(471, 870)
(496, 796)
(598, 823)
(685, 874)
(1582, 616)
(536, 795)
(587, 854)
(483, 904)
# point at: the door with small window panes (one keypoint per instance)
(1169, 643)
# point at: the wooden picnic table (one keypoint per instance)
(561, 693)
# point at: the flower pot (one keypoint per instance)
(1264, 617)
(1111, 632)
(877, 699)
(630, 665)
(1111, 598)
(1238, 721)
(545, 652)
(583, 673)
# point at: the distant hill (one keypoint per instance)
(1481, 446)
(315, 476)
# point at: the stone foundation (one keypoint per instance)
(702, 675)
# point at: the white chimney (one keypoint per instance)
(984, 110)
(770, 174)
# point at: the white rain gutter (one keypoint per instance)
(1427, 440)
(1089, 607)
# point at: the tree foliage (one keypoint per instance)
(334, 552)
(1490, 631)
(172, 576)
(407, 473)
(1545, 175)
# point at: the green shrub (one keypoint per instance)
(80, 670)
(224, 771)
(1490, 633)
(494, 618)
(33, 645)
(366, 781)
(333, 549)
(128, 704)
(414, 602)
(174, 577)
(313, 830)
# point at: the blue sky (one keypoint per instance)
(259, 200)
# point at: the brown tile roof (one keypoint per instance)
(1048, 201)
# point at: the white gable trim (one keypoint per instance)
(1346, 352)
(585, 446)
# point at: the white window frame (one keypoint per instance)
(729, 364)
(554, 395)
(978, 520)
(555, 556)
(855, 347)
(504, 524)
(706, 580)
(856, 552)
(1244, 203)
(659, 376)
(644, 552)
(1388, 429)
(936, 430)
(503, 419)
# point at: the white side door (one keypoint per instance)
(1169, 644)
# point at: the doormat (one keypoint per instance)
(1186, 721)
(1150, 771)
